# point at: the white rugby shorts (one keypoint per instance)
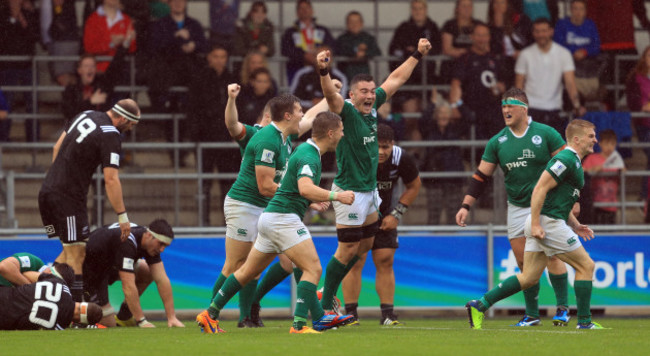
(241, 219)
(278, 232)
(365, 203)
(559, 238)
(516, 221)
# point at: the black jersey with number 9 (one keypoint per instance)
(91, 139)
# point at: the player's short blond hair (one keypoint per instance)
(577, 127)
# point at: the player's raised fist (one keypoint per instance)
(424, 45)
(233, 90)
(346, 197)
(323, 59)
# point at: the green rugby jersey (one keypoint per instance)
(27, 261)
(522, 159)
(250, 131)
(567, 171)
(265, 148)
(357, 155)
(304, 162)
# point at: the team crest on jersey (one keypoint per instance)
(537, 140)
(502, 139)
(267, 156)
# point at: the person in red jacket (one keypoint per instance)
(106, 29)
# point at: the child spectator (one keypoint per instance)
(604, 188)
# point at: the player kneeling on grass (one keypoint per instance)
(135, 262)
(280, 230)
(46, 304)
(551, 229)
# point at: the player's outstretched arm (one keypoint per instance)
(166, 295)
(315, 193)
(334, 99)
(477, 185)
(132, 298)
(114, 194)
(400, 75)
(543, 186)
(231, 116)
(10, 270)
(310, 115)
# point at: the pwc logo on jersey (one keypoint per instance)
(367, 140)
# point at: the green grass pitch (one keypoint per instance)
(417, 337)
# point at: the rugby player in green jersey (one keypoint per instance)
(281, 231)
(236, 248)
(552, 230)
(521, 150)
(14, 267)
(357, 160)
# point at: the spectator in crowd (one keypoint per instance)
(442, 193)
(176, 43)
(255, 32)
(510, 32)
(540, 70)
(403, 44)
(386, 115)
(302, 41)
(5, 121)
(476, 85)
(92, 90)
(254, 60)
(456, 35)
(19, 26)
(580, 36)
(254, 96)
(60, 35)
(604, 188)
(106, 29)
(306, 84)
(357, 44)
(637, 92)
(223, 22)
(158, 9)
(536, 9)
(614, 20)
(207, 104)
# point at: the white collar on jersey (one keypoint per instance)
(311, 142)
(530, 120)
(574, 151)
(284, 139)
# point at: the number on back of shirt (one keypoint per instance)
(84, 125)
(45, 301)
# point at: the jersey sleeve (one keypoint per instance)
(110, 149)
(308, 167)
(246, 135)
(555, 140)
(490, 153)
(558, 168)
(408, 169)
(380, 97)
(28, 262)
(126, 256)
(266, 153)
